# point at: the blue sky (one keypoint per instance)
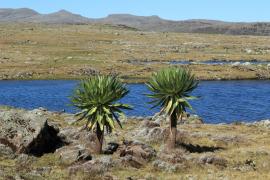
(228, 10)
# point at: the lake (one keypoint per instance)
(220, 102)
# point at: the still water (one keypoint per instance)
(220, 102)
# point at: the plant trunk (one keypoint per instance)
(173, 131)
(100, 136)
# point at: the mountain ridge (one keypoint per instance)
(144, 23)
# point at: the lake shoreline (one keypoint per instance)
(137, 80)
(195, 119)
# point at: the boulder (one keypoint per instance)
(73, 153)
(157, 134)
(94, 167)
(135, 153)
(75, 136)
(28, 132)
(111, 148)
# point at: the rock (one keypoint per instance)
(141, 132)
(173, 156)
(42, 109)
(33, 175)
(69, 134)
(150, 131)
(236, 64)
(94, 167)
(87, 71)
(25, 159)
(39, 111)
(139, 118)
(211, 159)
(168, 167)
(249, 51)
(70, 120)
(247, 166)
(187, 119)
(156, 134)
(28, 132)
(73, 153)
(18, 177)
(192, 119)
(136, 154)
(111, 148)
(263, 123)
(24, 75)
(251, 163)
(158, 118)
(42, 170)
(6, 151)
(130, 160)
(149, 124)
(247, 64)
(77, 136)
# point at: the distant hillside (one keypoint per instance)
(154, 23)
(145, 23)
(14, 15)
(28, 15)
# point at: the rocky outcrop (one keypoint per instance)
(28, 132)
(262, 123)
(73, 153)
(6, 151)
(79, 137)
(93, 167)
(136, 154)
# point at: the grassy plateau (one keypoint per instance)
(39, 51)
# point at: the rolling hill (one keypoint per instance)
(144, 23)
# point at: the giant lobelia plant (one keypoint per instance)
(97, 98)
(171, 88)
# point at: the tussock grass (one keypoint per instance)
(54, 51)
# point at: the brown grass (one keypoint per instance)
(54, 51)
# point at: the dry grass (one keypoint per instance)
(54, 51)
(238, 143)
